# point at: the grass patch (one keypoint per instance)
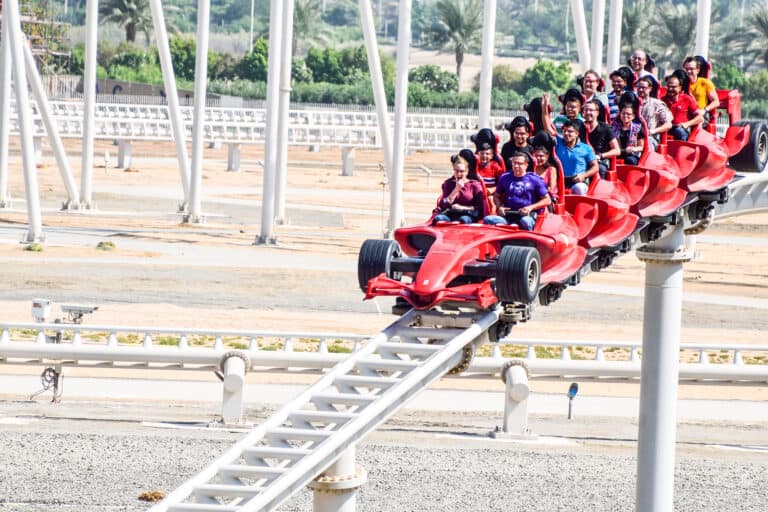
(547, 352)
(34, 247)
(239, 345)
(106, 246)
(171, 341)
(339, 349)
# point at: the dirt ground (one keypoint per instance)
(163, 272)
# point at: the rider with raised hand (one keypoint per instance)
(519, 196)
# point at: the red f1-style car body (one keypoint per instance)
(481, 265)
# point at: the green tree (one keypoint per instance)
(635, 23)
(253, 65)
(131, 15)
(432, 78)
(458, 26)
(547, 76)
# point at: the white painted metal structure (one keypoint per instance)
(703, 18)
(89, 94)
(580, 31)
(5, 108)
(310, 433)
(286, 49)
(486, 69)
(614, 34)
(598, 32)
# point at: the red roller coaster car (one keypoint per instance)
(451, 265)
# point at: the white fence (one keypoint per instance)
(195, 349)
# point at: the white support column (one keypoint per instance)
(515, 377)
(172, 96)
(266, 235)
(5, 111)
(233, 366)
(486, 69)
(336, 487)
(377, 81)
(233, 157)
(89, 102)
(703, 18)
(26, 124)
(660, 370)
(580, 31)
(286, 49)
(195, 213)
(401, 108)
(347, 161)
(124, 154)
(598, 33)
(73, 196)
(614, 35)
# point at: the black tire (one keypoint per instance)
(374, 258)
(518, 274)
(754, 156)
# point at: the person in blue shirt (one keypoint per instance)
(519, 195)
(577, 159)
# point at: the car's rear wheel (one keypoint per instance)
(518, 274)
(754, 156)
(375, 257)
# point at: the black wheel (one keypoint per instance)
(754, 156)
(518, 273)
(375, 257)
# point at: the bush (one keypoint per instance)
(754, 109)
(77, 60)
(183, 51)
(242, 88)
(222, 66)
(253, 66)
(433, 78)
(548, 76)
(130, 55)
(300, 72)
(728, 76)
(337, 66)
(756, 87)
(504, 77)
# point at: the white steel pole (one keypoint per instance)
(401, 107)
(598, 33)
(270, 140)
(250, 33)
(703, 17)
(89, 102)
(35, 233)
(580, 31)
(195, 215)
(486, 69)
(335, 490)
(377, 81)
(73, 196)
(5, 109)
(172, 95)
(614, 34)
(283, 105)
(660, 370)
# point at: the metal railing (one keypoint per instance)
(196, 349)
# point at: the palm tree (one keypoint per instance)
(459, 27)
(308, 26)
(753, 42)
(634, 25)
(674, 33)
(132, 15)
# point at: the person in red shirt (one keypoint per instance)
(685, 111)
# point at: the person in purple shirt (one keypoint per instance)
(463, 199)
(519, 196)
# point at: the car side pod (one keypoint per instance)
(686, 155)
(663, 195)
(653, 160)
(636, 179)
(736, 138)
(615, 222)
(584, 213)
(711, 172)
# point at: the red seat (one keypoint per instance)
(736, 137)
(685, 154)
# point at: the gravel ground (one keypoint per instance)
(414, 463)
